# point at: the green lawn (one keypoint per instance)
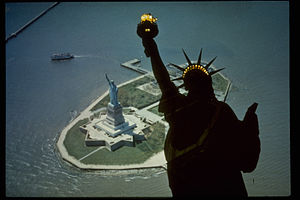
(131, 155)
(74, 141)
(129, 95)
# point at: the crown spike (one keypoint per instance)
(178, 67)
(206, 66)
(199, 58)
(177, 79)
(187, 58)
(216, 71)
(180, 86)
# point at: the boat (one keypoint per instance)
(62, 56)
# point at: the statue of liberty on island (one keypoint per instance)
(113, 92)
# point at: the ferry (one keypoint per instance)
(62, 56)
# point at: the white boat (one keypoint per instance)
(62, 56)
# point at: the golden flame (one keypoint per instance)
(148, 17)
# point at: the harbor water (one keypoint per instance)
(251, 39)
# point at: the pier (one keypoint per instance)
(30, 22)
(134, 65)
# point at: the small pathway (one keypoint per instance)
(91, 153)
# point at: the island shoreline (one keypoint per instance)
(155, 161)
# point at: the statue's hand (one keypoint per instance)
(250, 119)
(150, 47)
(251, 110)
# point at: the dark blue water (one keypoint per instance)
(251, 39)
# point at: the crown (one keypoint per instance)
(194, 66)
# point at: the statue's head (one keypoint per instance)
(198, 81)
(196, 77)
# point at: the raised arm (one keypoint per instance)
(159, 70)
(108, 79)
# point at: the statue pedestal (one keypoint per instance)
(114, 123)
(114, 115)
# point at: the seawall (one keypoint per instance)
(30, 22)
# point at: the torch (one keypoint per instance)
(147, 28)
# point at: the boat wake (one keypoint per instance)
(99, 56)
(87, 56)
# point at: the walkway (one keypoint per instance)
(149, 115)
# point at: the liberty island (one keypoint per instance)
(123, 129)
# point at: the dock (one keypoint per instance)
(30, 22)
(134, 65)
